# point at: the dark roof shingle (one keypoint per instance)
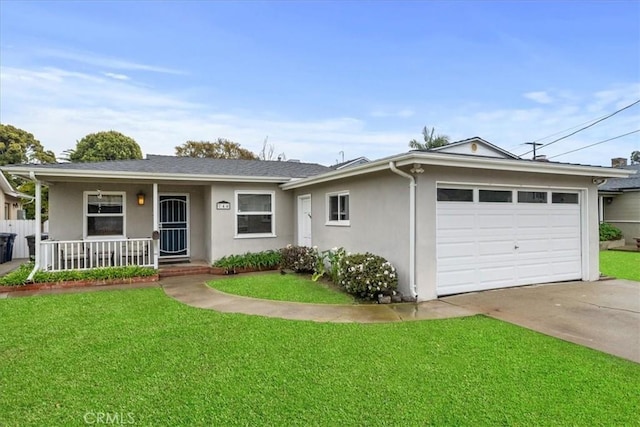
(618, 184)
(199, 166)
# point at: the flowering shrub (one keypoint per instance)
(367, 275)
(300, 259)
(328, 260)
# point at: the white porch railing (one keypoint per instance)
(59, 255)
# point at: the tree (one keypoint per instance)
(29, 205)
(19, 146)
(431, 140)
(635, 157)
(110, 145)
(220, 149)
(268, 152)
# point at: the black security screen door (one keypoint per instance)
(174, 226)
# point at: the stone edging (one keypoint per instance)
(79, 284)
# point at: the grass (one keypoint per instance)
(619, 264)
(139, 353)
(275, 286)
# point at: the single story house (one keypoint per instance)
(11, 200)
(464, 217)
(620, 201)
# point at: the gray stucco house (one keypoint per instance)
(620, 201)
(10, 200)
(464, 217)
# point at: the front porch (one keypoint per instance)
(118, 224)
(60, 255)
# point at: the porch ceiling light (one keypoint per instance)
(140, 196)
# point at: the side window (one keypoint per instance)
(338, 208)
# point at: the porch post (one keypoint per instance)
(38, 222)
(601, 209)
(156, 225)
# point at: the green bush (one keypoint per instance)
(367, 275)
(300, 259)
(264, 260)
(328, 260)
(19, 276)
(609, 232)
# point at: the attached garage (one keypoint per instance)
(464, 217)
(495, 237)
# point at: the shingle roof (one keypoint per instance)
(618, 184)
(350, 163)
(197, 166)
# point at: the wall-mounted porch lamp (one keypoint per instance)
(140, 196)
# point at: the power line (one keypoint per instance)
(568, 129)
(595, 143)
(587, 127)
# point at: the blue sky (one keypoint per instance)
(320, 78)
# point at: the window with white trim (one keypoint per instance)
(338, 208)
(104, 213)
(255, 214)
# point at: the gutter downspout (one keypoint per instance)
(38, 215)
(412, 227)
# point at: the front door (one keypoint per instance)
(304, 220)
(174, 225)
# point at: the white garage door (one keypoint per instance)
(496, 238)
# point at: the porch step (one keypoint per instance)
(186, 270)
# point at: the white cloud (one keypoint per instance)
(105, 61)
(511, 128)
(540, 97)
(402, 113)
(61, 106)
(117, 76)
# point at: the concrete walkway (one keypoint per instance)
(602, 315)
(8, 267)
(193, 291)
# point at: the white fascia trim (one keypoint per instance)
(515, 165)
(342, 173)
(441, 159)
(75, 173)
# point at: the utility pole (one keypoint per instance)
(534, 144)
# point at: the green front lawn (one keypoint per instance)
(275, 286)
(619, 264)
(143, 355)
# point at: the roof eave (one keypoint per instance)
(448, 160)
(46, 173)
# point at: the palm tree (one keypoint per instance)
(431, 140)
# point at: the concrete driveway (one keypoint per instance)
(602, 315)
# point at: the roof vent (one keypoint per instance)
(541, 158)
(293, 160)
(618, 162)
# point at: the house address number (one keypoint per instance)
(223, 206)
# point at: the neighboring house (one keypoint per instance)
(620, 201)
(10, 200)
(350, 163)
(470, 218)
